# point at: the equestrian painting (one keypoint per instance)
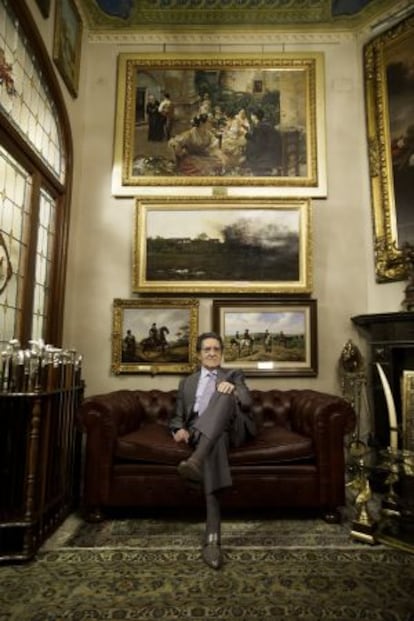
(152, 336)
(268, 337)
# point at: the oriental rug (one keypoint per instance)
(151, 569)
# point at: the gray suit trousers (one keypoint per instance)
(218, 423)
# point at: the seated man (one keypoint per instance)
(212, 413)
(263, 146)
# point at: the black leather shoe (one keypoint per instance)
(190, 470)
(212, 555)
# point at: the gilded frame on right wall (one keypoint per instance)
(407, 393)
(389, 102)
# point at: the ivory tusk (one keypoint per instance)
(392, 414)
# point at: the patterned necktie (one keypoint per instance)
(208, 391)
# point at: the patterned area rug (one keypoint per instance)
(151, 569)
(170, 533)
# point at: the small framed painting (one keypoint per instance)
(67, 43)
(268, 337)
(154, 336)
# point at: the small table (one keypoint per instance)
(396, 524)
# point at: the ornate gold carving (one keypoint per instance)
(389, 260)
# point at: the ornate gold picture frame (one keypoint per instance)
(154, 336)
(407, 399)
(228, 245)
(236, 120)
(268, 337)
(390, 112)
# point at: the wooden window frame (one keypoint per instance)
(18, 148)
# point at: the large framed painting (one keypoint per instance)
(224, 245)
(154, 336)
(67, 43)
(268, 337)
(389, 86)
(207, 120)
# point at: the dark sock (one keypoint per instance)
(213, 514)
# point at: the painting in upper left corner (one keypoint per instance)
(67, 43)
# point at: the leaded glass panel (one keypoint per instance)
(15, 192)
(24, 96)
(44, 255)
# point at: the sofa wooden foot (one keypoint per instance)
(332, 517)
(94, 515)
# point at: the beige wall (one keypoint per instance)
(101, 236)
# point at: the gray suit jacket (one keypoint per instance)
(244, 424)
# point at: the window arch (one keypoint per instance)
(35, 174)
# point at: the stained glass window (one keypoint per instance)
(45, 245)
(33, 171)
(15, 192)
(24, 96)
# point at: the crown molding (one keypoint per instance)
(209, 37)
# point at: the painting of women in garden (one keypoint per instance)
(227, 123)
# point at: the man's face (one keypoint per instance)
(210, 354)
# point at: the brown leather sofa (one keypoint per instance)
(297, 459)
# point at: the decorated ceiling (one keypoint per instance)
(155, 14)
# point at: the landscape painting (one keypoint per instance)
(227, 245)
(154, 336)
(268, 337)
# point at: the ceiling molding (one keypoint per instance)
(179, 15)
(218, 38)
(388, 19)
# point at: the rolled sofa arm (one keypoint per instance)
(313, 412)
(327, 419)
(103, 418)
(117, 413)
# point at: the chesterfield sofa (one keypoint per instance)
(297, 459)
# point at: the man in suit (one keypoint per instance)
(212, 414)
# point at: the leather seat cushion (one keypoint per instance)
(273, 445)
(153, 443)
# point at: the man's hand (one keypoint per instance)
(182, 435)
(225, 387)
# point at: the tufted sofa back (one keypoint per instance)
(127, 410)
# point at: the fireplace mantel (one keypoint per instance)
(391, 343)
